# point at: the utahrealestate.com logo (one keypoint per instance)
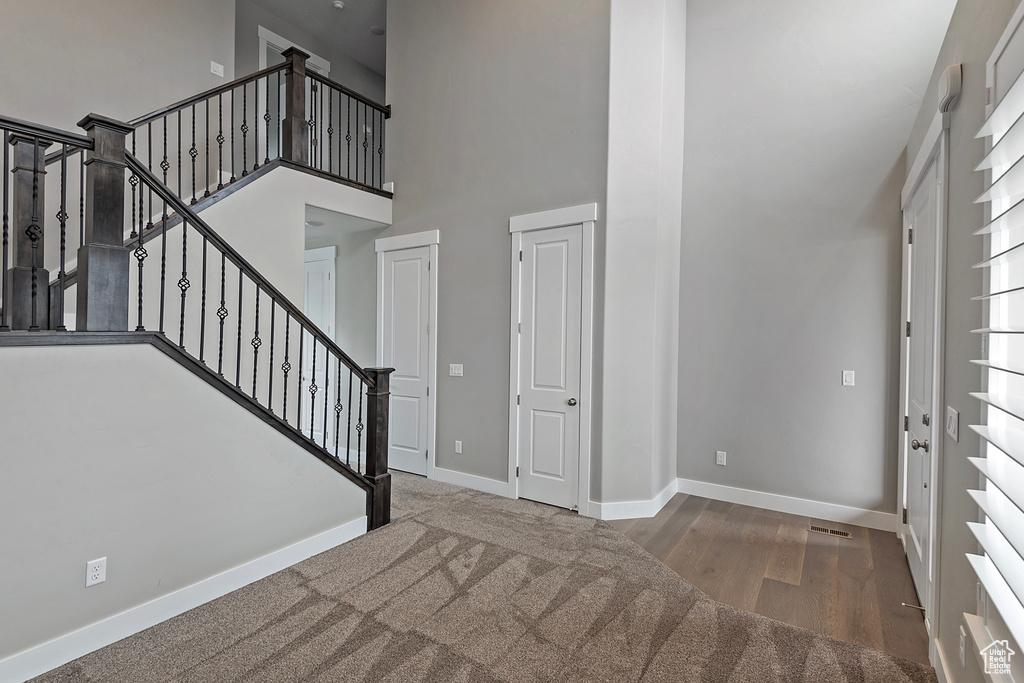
(997, 657)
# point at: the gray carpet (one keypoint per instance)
(466, 586)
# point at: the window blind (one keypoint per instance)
(1000, 496)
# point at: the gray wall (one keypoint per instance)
(972, 35)
(155, 486)
(355, 322)
(344, 69)
(500, 109)
(790, 269)
(113, 57)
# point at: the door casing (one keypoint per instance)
(585, 215)
(431, 239)
(935, 147)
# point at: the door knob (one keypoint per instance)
(915, 444)
(572, 401)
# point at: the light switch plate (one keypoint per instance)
(217, 69)
(848, 378)
(953, 423)
(458, 446)
(455, 370)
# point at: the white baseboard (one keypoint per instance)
(49, 655)
(472, 481)
(634, 508)
(795, 506)
(939, 662)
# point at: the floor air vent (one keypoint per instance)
(829, 532)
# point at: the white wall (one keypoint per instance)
(790, 267)
(975, 28)
(641, 301)
(173, 486)
(344, 69)
(118, 58)
(500, 109)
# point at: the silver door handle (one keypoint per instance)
(915, 444)
(571, 401)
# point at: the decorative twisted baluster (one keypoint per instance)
(183, 283)
(5, 305)
(222, 313)
(220, 141)
(35, 233)
(359, 433)
(256, 343)
(245, 131)
(62, 218)
(313, 388)
(193, 152)
(140, 252)
(286, 366)
(337, 410)
(266, 117)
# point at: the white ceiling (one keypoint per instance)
(334, 224)
(348, 29)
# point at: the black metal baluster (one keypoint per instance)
(320, 148)
(365, 143)
(140, 252)
(81, 195)
(373, 139)
(183, 283)
(330, 130)
(298, 394)
(380, 150)
(312, 389)
(245, 131)
(255, 125)
(286, 366)
(238, 349)
(206, 137)
(202, 312)
(312, 122)
(256, 343)
(193, 152)
(222, 313)
(348, 142)
(266, 120)
(164, 164)
(149, 146)
(359, 432)
(232, 127)
(348, 431)
(337, 406)
(277, 106)
(327, 392)
(270, 367)
(5, 304)
(62, 217)
(133, 180)
(35, 232)
(180, 192)
(163, 262)
(220, 141)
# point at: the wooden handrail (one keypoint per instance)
(195, 99)
(45, 132)
(183, 209)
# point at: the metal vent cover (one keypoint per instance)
(829, 532)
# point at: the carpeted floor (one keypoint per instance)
(466, 586)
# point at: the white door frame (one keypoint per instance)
(432, 239)
(935, 147)
(280, 43)
(585, 214)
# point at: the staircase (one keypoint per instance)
(142, 267)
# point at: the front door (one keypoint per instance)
(551, 280)
(921, 434)
(405, 343)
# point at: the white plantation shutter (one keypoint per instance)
(1000, 496)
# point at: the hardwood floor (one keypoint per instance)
(769, 563)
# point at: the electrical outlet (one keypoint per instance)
(963, 647)
(95, 571)
(455, 370)
(217, 69)
(458, 446)
(720, 458)
(953, 423)
(847, 378)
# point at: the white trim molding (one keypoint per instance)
(472, 481)
(555, 218)
(280, 43)
(873, 519)
(321, 254)
(410, 241)
(635, 509)
(584, 215)
(42, 658)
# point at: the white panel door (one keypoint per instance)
(923, 220)
(551, 278)
(319, 307)
(406, 313)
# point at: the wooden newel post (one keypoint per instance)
(295, 130)
(103, 258)
(27, 280)
(378, 507)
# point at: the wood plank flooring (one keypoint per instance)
(769, 563)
